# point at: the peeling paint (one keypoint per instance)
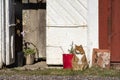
(101, 58)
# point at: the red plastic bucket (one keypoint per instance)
(67, 61)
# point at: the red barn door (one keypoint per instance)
(109, 27)
(115, 31)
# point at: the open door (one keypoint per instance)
(9, 32)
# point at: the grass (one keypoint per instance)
(94, 71)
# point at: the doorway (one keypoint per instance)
(31, 16)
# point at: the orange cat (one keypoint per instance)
(79, 61)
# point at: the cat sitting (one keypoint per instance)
(79, 60)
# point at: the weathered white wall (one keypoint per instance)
(7, 46)
(60, 39)
(0, 33)
(66, 12)
(66, 22)
(59, 36)
(6, 34)
(9, 32)
(93, 35)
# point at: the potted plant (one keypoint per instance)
(29, 55)
(71, 50)
(67, 58)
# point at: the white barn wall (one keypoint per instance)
(93, 35)
(6, 34)
(66, 12)
(10, 30)
(66, 22)
(3, 32)
(60, 39)
(0, 33)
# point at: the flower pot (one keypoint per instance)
(30, 59)
(67, 61)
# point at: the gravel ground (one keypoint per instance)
(22, 77)
(41, 65)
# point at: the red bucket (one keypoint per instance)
(67, 61)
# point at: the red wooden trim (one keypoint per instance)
(103, 24)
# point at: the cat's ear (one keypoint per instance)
(80, 45)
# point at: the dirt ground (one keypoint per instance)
(35, 66)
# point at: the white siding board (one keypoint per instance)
(9, 36)
(7, 32)
(59, 41)
(66, 12)
(93, 28)
(0, 33)
(3, 33)
(66, 22)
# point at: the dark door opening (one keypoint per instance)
(33, 26)
(18, 30)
